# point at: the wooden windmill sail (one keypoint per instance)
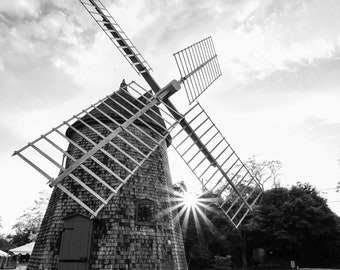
(112, 140)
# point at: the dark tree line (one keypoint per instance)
(289, 224)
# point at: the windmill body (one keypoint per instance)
(127, 233)
(112, 207)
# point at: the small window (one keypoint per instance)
(145, 211)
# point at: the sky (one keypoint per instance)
(277, 98)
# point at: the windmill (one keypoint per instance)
(116, 152)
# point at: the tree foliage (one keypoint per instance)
(298, 225)
(267, 171)
(27, 227)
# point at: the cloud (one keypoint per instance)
(321, 75)
(37, 84)
(266, 13)
(43, 27)
(163, 22)
(321, 129)
(19, 9)
(39, 42)
(254, 39)
(277, 35)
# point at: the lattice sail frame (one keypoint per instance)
(198, 67)
(136, 106)
(227, 177)
(116, 34)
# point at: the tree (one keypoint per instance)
(289, 224)
(298, 225)
(27, 227)
(265, 171)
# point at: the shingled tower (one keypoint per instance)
(129, 233)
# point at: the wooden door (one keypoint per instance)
(75, 243)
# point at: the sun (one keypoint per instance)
(186, 205)
(189, 205)
(190, 200)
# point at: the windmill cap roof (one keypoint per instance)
(120, 105)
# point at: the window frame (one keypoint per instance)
(150, 218)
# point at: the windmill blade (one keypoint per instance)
(226, 175)
(198, 66)
(105, 126)
(111, 28)
(115, 33)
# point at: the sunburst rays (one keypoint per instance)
(186, 205)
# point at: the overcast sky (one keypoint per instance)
(278, 97)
